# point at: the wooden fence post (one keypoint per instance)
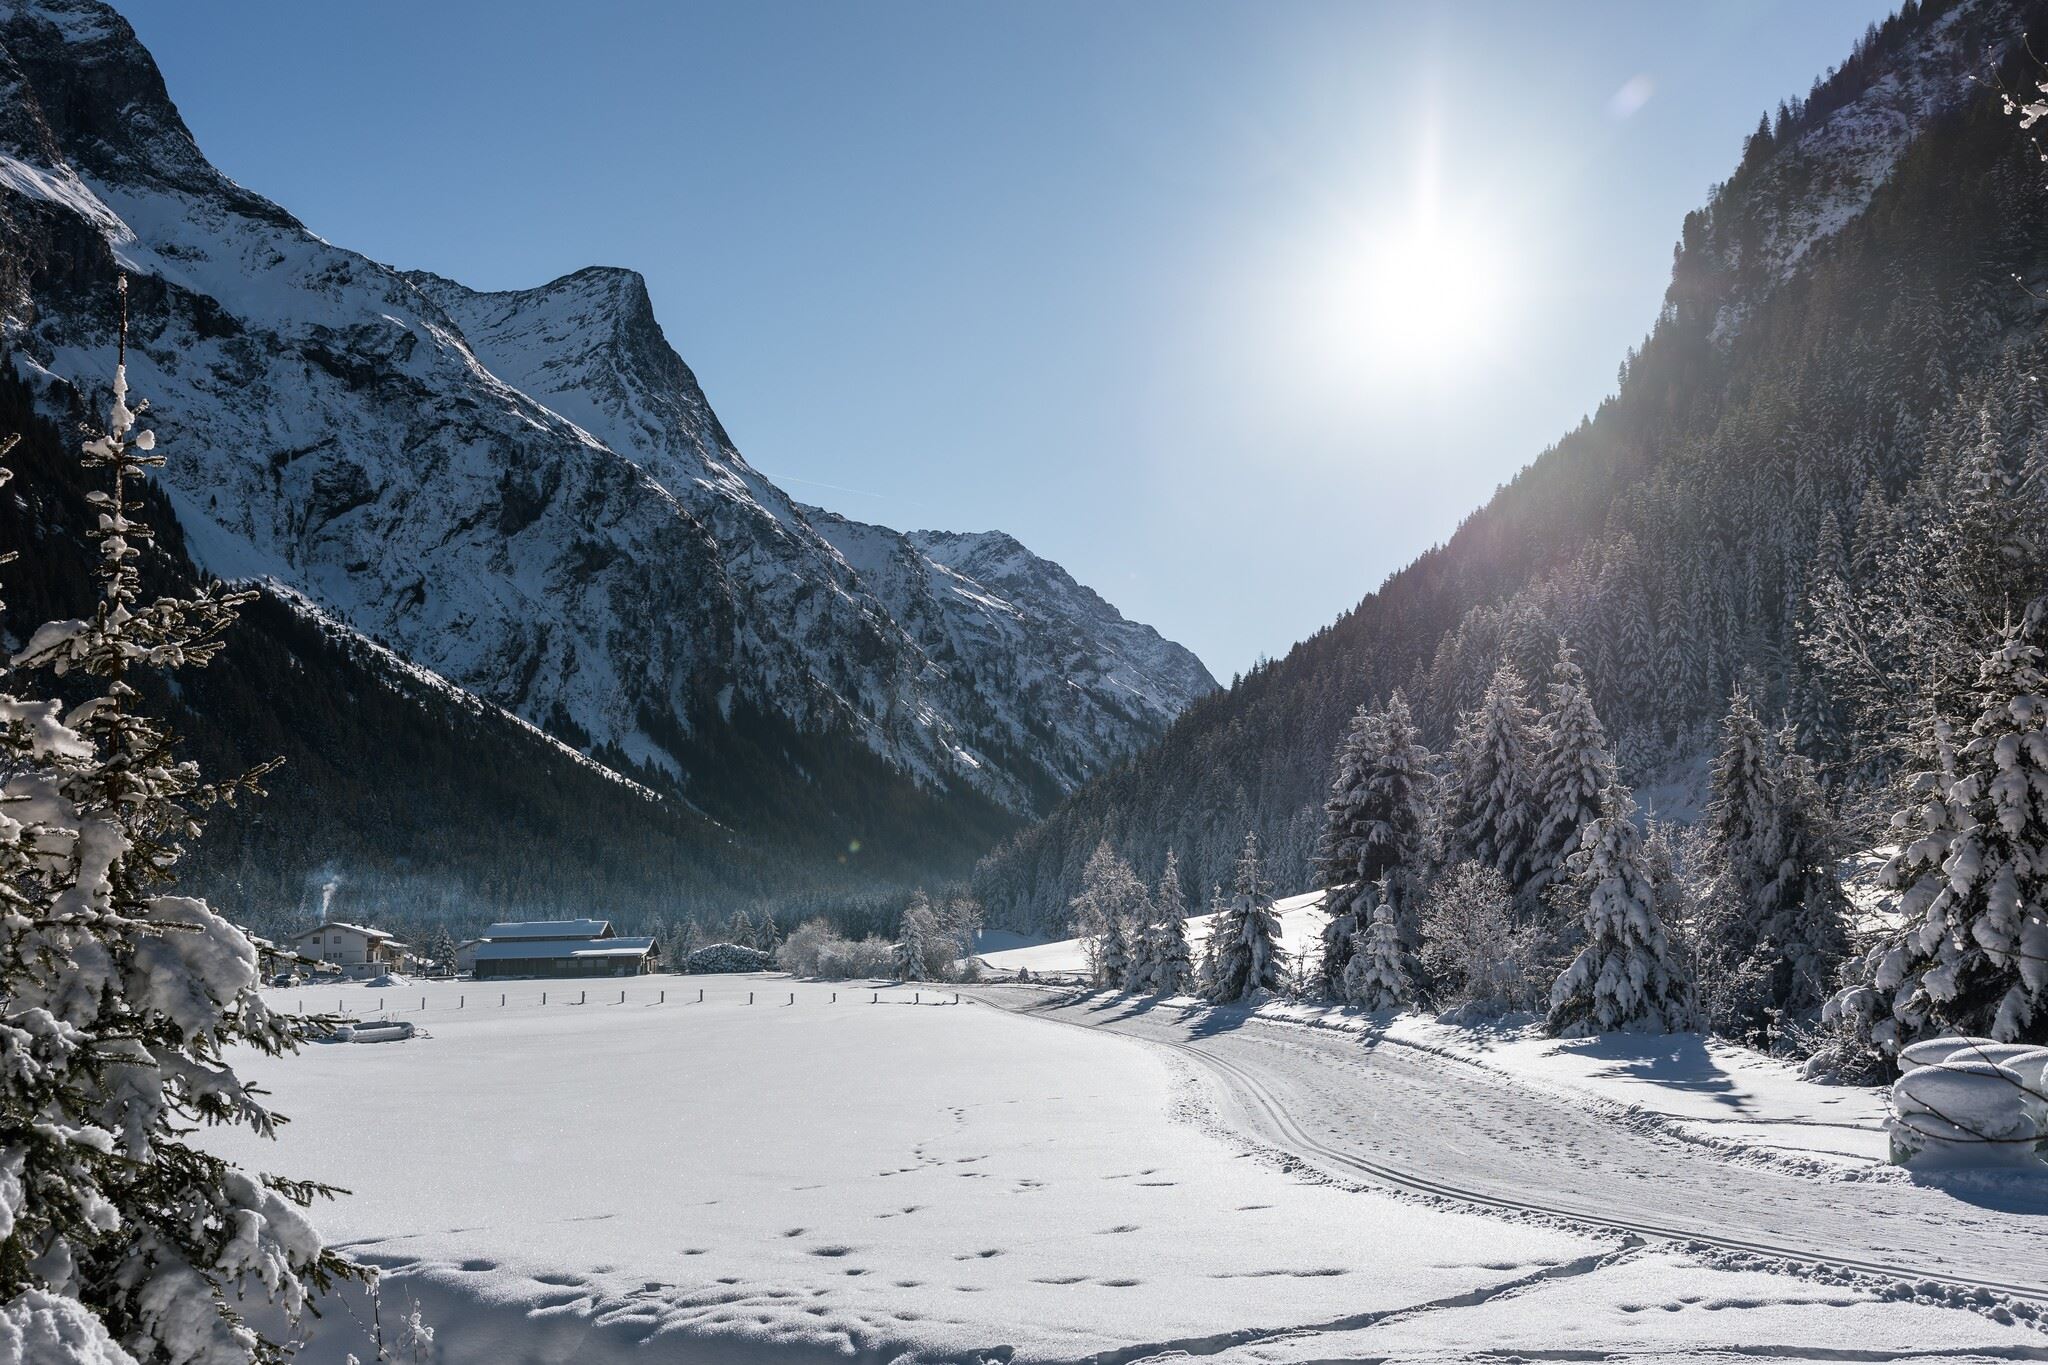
(583, 997)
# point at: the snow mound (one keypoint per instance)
(51, 1329)
(1966, 1113)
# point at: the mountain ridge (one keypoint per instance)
(525, 491)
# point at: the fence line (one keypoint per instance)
(426, 1005)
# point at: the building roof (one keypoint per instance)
(537, 950)
(337, 924)
(549, 928)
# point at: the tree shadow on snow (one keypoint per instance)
(1671, 1061)
(2020, 1192)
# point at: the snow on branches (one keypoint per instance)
(1626, 978)
(1973, 866)
(120, 998)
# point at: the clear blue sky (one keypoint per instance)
(1231, 308)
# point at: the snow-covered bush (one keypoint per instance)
(714, 958)
(119, 999)
(1475, 957)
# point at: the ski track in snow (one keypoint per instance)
(666, 1180)
(1436, 1125)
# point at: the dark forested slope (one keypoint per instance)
(1843, 351)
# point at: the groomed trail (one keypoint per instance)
(1362, 1108)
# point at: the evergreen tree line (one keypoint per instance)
(1516, 872)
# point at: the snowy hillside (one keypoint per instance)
(1301, 929)
(526, 493)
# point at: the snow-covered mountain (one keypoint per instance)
(525, 492)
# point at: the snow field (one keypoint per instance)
(860, 1181)
(857, 1178)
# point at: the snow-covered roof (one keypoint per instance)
(549, 928)
(540, 949)
(337, 924)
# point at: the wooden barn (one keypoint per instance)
(563, 947)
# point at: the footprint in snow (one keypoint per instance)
(794, 1232)
(831, 1251)
(1120, 1227)
(979, 1255)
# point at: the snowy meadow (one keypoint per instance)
(857, 1176)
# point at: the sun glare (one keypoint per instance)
(1420, 298)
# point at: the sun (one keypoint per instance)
(1418, 297)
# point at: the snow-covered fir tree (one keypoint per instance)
(1378, 977)
(1626, 977)
(1106, 914)
(1741, 819)
(1212, 941)
(1573, 771)
(1974, 866)
(1248, 956)
(1802, 908)
(440, 946)
(1173, 971)
(1347, 896)
(913, 940)
(119, 998)
(739, 930)
(1491, 814)
(1139, 968)
(1376, 827)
